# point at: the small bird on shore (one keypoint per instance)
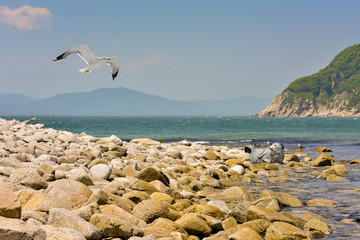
(91, 60)
(300, 147)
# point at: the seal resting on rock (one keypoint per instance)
(272, 154)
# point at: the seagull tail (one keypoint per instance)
(85, 70)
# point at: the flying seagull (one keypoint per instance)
(92, 60)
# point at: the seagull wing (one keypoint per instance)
(114, 66)
(83, 51)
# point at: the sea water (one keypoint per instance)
(340, 134)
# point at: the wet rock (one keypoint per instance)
(283, 230)
(315, 225)
(323, 149)
(255, 212)
(323, 160)
(322, 202)
(9, 205)
(114, 226)
(59, 217)
(259, 225)
(233, 194)
(16, 229)
(268, 202)
(245, 234)
(333, 177)
(284, 198)
(291, 158)
(355, 161)
(194, 225)
(337, 169)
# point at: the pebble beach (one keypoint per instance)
(61, 185)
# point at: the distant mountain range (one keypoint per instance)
(123, 101)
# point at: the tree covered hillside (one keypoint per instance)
(340, 78)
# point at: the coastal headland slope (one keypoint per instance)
(332, 92)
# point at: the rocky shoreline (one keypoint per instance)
(60, 185)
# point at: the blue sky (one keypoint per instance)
(183, 50)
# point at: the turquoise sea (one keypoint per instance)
(340, 134)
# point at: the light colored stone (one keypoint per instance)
(9, 205)
(238, 169)
(283, 230)
(72, 193)
(323, 160)
(255, 212)
(114, 226)
(102, 171)
(59, 217)
(53, 233)
(194, 225)
(317, 225)
(322, 202)
(81, 175)
(233, 194)
(28, 177)
(16, 229)
(151, 174)
(284, 198)
(245, 233)
(212, 211)
(117, 211)
(149, 210)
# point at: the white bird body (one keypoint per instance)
(92, 61)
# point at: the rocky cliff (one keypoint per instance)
(332, 92)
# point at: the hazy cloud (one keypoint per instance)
(26, 18)
(142, 64)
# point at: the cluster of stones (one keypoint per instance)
(60, 185)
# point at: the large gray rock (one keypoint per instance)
(16, 229)
(272, 154)
(60, 217)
